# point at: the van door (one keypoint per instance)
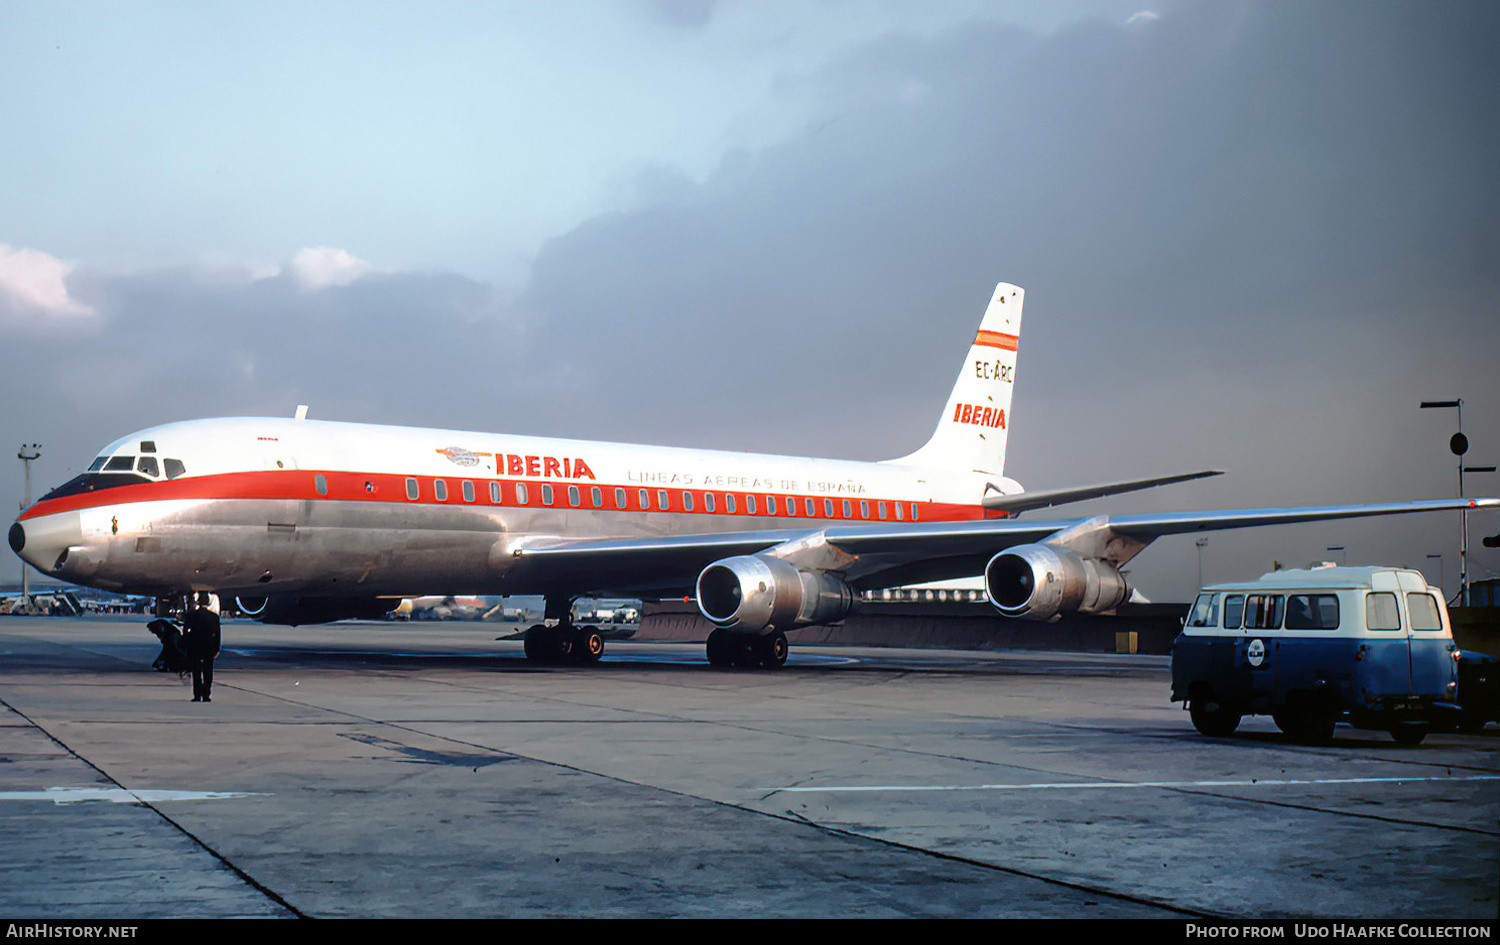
(1382, 666)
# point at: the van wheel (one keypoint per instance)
(1212, 719)
(1409, 733)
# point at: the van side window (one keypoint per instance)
(1424, 612)
(1263, 611)
(1205, 611)
(1381, 612)
(1312, 612)
(1234, 611)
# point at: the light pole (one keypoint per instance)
(1458, 444)
(26, 455)
(1201, 542)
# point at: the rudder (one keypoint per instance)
(971, 434)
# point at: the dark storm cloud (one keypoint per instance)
(1252, 235)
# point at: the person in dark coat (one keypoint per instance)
(201, 641)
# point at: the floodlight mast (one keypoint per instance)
(28, 452)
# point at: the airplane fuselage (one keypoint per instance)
(269, 505)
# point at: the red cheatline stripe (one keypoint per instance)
(996, 339)
(343, 485)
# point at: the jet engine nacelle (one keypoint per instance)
(1039, 582)
(754, 593)
(293, 610)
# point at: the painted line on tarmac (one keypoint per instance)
(74, 795)
(1121, 785)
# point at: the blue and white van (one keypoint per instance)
(1371, 646)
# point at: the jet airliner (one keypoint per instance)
(302, 521)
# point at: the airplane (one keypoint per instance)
(304, 521)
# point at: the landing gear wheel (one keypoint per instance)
(771, 650)
(720, 649)
(545, 644)
(1212, 719)
(588, 645)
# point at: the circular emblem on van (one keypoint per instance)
(1256, 653)
(460, 456)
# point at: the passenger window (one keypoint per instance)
(1234, 611)
(597, 495)
(147, 465)
(496, 496)
(914, 511)
(749, 505)
(662, 502)
(645, 499)
(1263, 611)
(770, 505)
(468, 489)
(523, 495)
(729, 503)
(573, 498)
(1312, 612)
(440, 489)
(1424, 612)
(320, 483)
(864, 508)
(828, 508)
(687, 501)
(708, 501)
(619, 498)
(880, 507)
(898, 511)
(174, 468)
(1381, 612)
(812, 508)
(547, 494)
(1205, 611)
(413, 491)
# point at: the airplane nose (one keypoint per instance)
(43, 540)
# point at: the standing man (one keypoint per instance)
(201, 641)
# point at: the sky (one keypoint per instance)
(1254, 236)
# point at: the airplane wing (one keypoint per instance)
(1023, 501)
(890, 554)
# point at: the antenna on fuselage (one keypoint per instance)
(301, 412)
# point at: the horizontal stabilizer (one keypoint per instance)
(1023, 501)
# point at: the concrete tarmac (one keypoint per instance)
(429, 771)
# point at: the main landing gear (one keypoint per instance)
(562, 643)
(747, 650)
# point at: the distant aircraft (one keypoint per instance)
(305, 521)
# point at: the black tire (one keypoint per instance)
(588, 645)
(720, 654)
(1212, 719)
(772, 650)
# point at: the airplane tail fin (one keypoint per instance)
(971, 433)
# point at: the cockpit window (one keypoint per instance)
(120, 464)
(98, 464)
(147, 465)
(174, 468)
(148, 446)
